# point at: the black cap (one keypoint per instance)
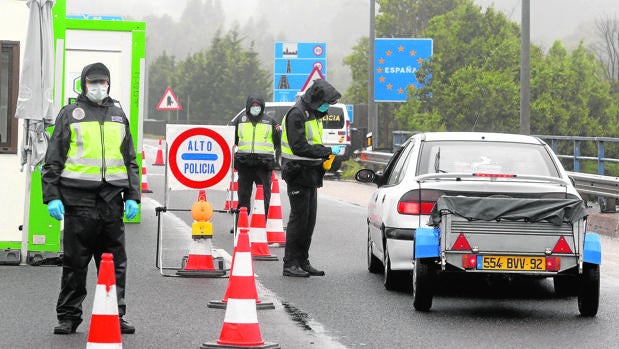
(97, 73)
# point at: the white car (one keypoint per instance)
(413, 181)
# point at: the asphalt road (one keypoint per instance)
(348, 308)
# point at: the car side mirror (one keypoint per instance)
(365, 175)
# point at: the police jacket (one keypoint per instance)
(257, 138)
(90, 155)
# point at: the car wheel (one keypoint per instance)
(423, 284)
(374, 265)
(389, 277)
(565, 285)
(589, 290)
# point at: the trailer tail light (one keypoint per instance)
(562, 246)
(418, 202)
(469, 261)
(461, 243)
(553, 263)
(348, 131)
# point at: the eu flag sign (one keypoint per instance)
(395, 64)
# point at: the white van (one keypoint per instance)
(336, 126)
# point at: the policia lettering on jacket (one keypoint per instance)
(91, 172)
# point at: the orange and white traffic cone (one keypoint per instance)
(105, 323)
(145, 188)
(159, 159)
(257, 229)
(275, 223)
(232, 201)
(243, 225)
(241, 328)
(200, 263)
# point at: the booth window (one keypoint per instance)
(9, 86)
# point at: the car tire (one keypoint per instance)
(374, 264)
(424, 276)
(589, 290)
(565, 285)
(389, 276)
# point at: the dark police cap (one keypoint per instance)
(97, 73)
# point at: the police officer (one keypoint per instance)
(257, 138)
(302, 158)
(90, 174)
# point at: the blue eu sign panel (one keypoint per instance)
(395, 64)
(294, 62)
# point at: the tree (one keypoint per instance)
(161, 74)
(607, 47)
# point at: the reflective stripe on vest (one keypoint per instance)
(313, 134)
(255, 139)
(94, 153)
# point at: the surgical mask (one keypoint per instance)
(323, 108)
(97, 92)
(255, 111)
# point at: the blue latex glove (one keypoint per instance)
(131, 209)
(55, 209)
(335, 149)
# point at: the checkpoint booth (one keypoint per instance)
(199, 168)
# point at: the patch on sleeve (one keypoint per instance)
(117, 118)
(78, 113)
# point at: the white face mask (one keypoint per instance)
(96, 92)
(255, 111)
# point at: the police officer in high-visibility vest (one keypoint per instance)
(257, 138)
(90, 179)
(302, 168)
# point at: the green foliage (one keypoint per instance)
(212, 84)
(349, 168)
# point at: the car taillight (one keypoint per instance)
(496, 175)
(347, 131)
(469, 261)
(416, 202)
(553, 263)
(461, 243)
(562, 246)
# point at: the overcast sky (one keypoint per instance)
(550, 19)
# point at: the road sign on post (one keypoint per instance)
(294, 61)
(315, 74)
(169, 101)
(199, 157)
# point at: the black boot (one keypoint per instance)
(126, 327)
(67, 326)
(295, 271)
(311, 270)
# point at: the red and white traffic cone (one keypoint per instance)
(241, 328)
(257, 229)
(232, 201)
(145, 188)
(159, 159)
(105, 323)
(275, 223)
(243, 225)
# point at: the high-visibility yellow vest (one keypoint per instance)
(255, 139)
(313, 134)
(94, 153)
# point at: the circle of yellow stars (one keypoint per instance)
(381, 60)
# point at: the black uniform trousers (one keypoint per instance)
(301, 222)
(89, 232)
(247, 177)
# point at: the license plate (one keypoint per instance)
(511, 263)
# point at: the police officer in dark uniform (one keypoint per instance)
(302, 157)
(257, 138)
(90, 177)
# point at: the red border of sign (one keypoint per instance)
(315, 70)
(209, 182)
(178, 103)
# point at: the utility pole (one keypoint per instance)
(525, 69)
(372, 107)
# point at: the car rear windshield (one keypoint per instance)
(333, 120)
(486, 157)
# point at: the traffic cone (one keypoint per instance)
(145, 188)
(159, 158)
(257, 230)
(104, 329)
(241, 328)
(199, 262)
(243, 225)
(232, 201)
(275, 224)
(243, 222)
